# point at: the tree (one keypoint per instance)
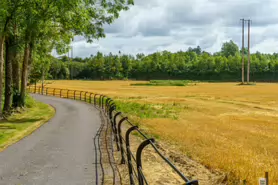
(67, 18)
(31, 29)
(8, 11)
(229, 49)
(196, 50)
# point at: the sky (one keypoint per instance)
(156, 25)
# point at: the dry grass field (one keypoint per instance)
(222, 125)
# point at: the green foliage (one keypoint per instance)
(165, 83)
(30, 102)
(40, 66)
(229, 49)
(37, 27)
(59, 69)
(194, 64)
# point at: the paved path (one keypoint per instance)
(61, 152)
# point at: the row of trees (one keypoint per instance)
(193, 64)
(31, 29)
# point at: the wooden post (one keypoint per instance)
(244, 182)
(267, 178)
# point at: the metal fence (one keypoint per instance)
(122, 140)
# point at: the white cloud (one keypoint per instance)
(156, 25)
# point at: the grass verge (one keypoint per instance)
(22, 124)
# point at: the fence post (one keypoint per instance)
(100, 101)
(68, 94)
(267, 178)
(91, 98)
(35, 90)
(61, 93)
(128, 151)
(86, 96)
(74, 95)
(81, 95)
(54, 92)
(139, 159)
(39, 90)
(114, 128)
(108, 105)
(121, 140)
(112, 108)
(103, 103)
(95, 99)
(46, 91)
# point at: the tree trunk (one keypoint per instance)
(16, 79)
(8, 77)
(16, 69)
(2, 40)
(24, 74)
(30, 60)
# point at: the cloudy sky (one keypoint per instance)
(173, 25)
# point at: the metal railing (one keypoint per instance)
(122, 141)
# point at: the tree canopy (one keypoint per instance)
(229, 49)
(31, 29)
(193, 64)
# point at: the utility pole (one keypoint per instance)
(242, 74)
(248, 67)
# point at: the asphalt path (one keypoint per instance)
(61, 152)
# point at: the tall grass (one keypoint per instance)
(222, 125)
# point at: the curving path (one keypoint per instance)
(61, 152)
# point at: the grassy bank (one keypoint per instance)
(22, 124)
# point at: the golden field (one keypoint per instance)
(222, 125)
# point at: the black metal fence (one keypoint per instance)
(122, 140)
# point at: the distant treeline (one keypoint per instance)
(193, 64)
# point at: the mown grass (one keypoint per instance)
(22, 124)
(165, 83)
(222, 125)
